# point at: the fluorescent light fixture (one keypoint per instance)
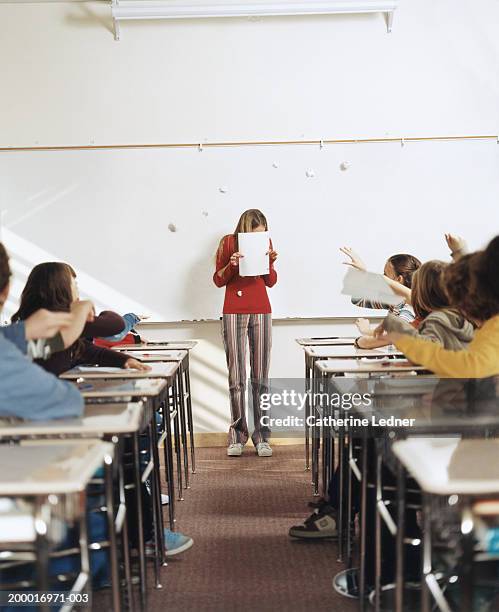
(179, 9)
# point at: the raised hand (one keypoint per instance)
(355, 261)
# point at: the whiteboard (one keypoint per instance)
(108, 212)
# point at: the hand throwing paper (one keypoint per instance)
(369, 286)
(254, 246)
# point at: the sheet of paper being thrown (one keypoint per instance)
(255, 247)
(369, 286)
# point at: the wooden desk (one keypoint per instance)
(345, 352)
(155, 391)
(444, 467)
(158, 370)
(179, 345)
(41, 472)
(184, 393)
(345, 341)
(372, 367)
(171, 372)
(158, 356)
(97, 420)
(122, 390)
(113, 422)
(338, 350)
(56, 469)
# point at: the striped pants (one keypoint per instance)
(237, 330)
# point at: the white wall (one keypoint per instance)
(65, 81)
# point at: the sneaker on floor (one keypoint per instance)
(235, 450)
(320, 524)
(317, 504)
(264, 449)
(176, 543)
(165, 500)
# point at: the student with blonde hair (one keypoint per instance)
(246, 319)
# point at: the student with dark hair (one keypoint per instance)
(478, 301)
(440, 325)
(52, 286)
(27, 391)
(398, 272)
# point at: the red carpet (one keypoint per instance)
(238, 511)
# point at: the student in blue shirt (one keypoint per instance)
(26, 390)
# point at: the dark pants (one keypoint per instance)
(412, 530)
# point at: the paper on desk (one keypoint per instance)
(369, 286)
(254, 246)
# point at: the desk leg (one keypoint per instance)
(176, 433)
(111, 527)
(124, 528)
(168, 458)
(183, 426)
(466, 575)
(399, 542)
(325, 443)
(341, 496)
(427, 554)
(84, 553)
(348, 521)
(307, 414)
(363, 508)
(42, 525)
(316, 439)
(140, 520)
(379, 500)
(187, 375)
(159, 557)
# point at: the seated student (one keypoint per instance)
(127, 336)
(29, 392)
(479, 302)
(53, 286)
(441, 325)
(398, 272)
(439, 322)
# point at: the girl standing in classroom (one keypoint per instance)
(246, 318)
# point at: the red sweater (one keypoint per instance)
(243, 294)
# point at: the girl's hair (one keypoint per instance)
(460, 282)
(404, 265)
(479, 297)
(5, 272)
(48, 286)
(248, 221)
(487, 271)
(428, 289)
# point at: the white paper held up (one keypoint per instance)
(369, 286)
(254, 246)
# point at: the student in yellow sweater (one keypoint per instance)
(473, 287)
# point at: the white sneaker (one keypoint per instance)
(264, 449)
(235, 450)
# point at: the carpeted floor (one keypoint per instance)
(238, 511)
